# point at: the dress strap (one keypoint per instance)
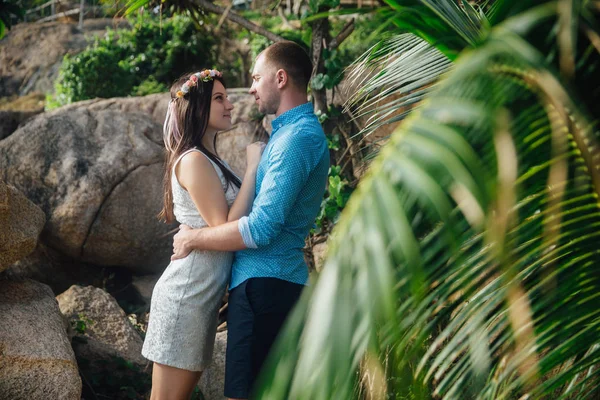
(226, 165)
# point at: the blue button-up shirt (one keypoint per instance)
(290, 184)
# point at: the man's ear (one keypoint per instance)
(282, 78)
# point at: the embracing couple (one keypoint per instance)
(245, 234)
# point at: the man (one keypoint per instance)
(269, 271)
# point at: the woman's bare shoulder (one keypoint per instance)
(194, 166)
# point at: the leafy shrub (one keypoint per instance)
(96, 72)
(336, 197)
(150, 86)
(142, 60)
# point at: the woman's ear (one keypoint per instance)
(281, 77)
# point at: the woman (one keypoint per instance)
(200, 190)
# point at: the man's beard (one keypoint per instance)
(268, 107)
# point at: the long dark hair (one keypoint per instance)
(185, 125)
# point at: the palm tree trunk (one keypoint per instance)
(320, 36)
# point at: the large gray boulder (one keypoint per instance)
(231, 144)
(98, 177)
(153, 105)
(96, 316)
(36, 358)
(21, 222)
(105, 342)
(96, 169)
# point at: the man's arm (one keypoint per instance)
(224, 237)
(285, 176)
(290, 164)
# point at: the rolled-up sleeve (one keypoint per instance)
(244, 229)
(290, 161)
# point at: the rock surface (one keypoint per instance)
(320, 255)
(31, 53)
(21, 222)
(103, 324)
(145, 285)
(231, 144)
(36, 358)
(56, 270)
(11, 121)
(98, 177)
(212, 382)
(96, 168)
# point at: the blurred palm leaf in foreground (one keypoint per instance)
(467, 262)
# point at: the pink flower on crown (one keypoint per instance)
(194, 78)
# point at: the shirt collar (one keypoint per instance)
(291, 116)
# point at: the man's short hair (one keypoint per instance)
(292, 58)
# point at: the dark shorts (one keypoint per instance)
(256, 312)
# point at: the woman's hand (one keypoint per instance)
(253, 153)
(243, 202)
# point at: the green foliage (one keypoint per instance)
(338, 188)
(369, 30)
(114, 378)
(98, 71)
(150, 86)
(316, 6)
(393, 76)
(10, 10)
(320, 81)
(81, 323)
(110, 8)
(258, 43)
(465, 264)
(337, 195)
(333, 142)
(334, 72)
(142, 60)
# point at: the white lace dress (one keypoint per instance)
(186, 299)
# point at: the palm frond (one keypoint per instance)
(133, 5)
(464, 265)
(389, 79)
(444, 24)
(396, 74)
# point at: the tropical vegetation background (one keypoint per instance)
(465, 263)
(464, 143)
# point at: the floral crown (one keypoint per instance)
(204, 76)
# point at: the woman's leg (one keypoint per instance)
(170, 383)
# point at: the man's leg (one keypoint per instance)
(271, 300)
(238, 361)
